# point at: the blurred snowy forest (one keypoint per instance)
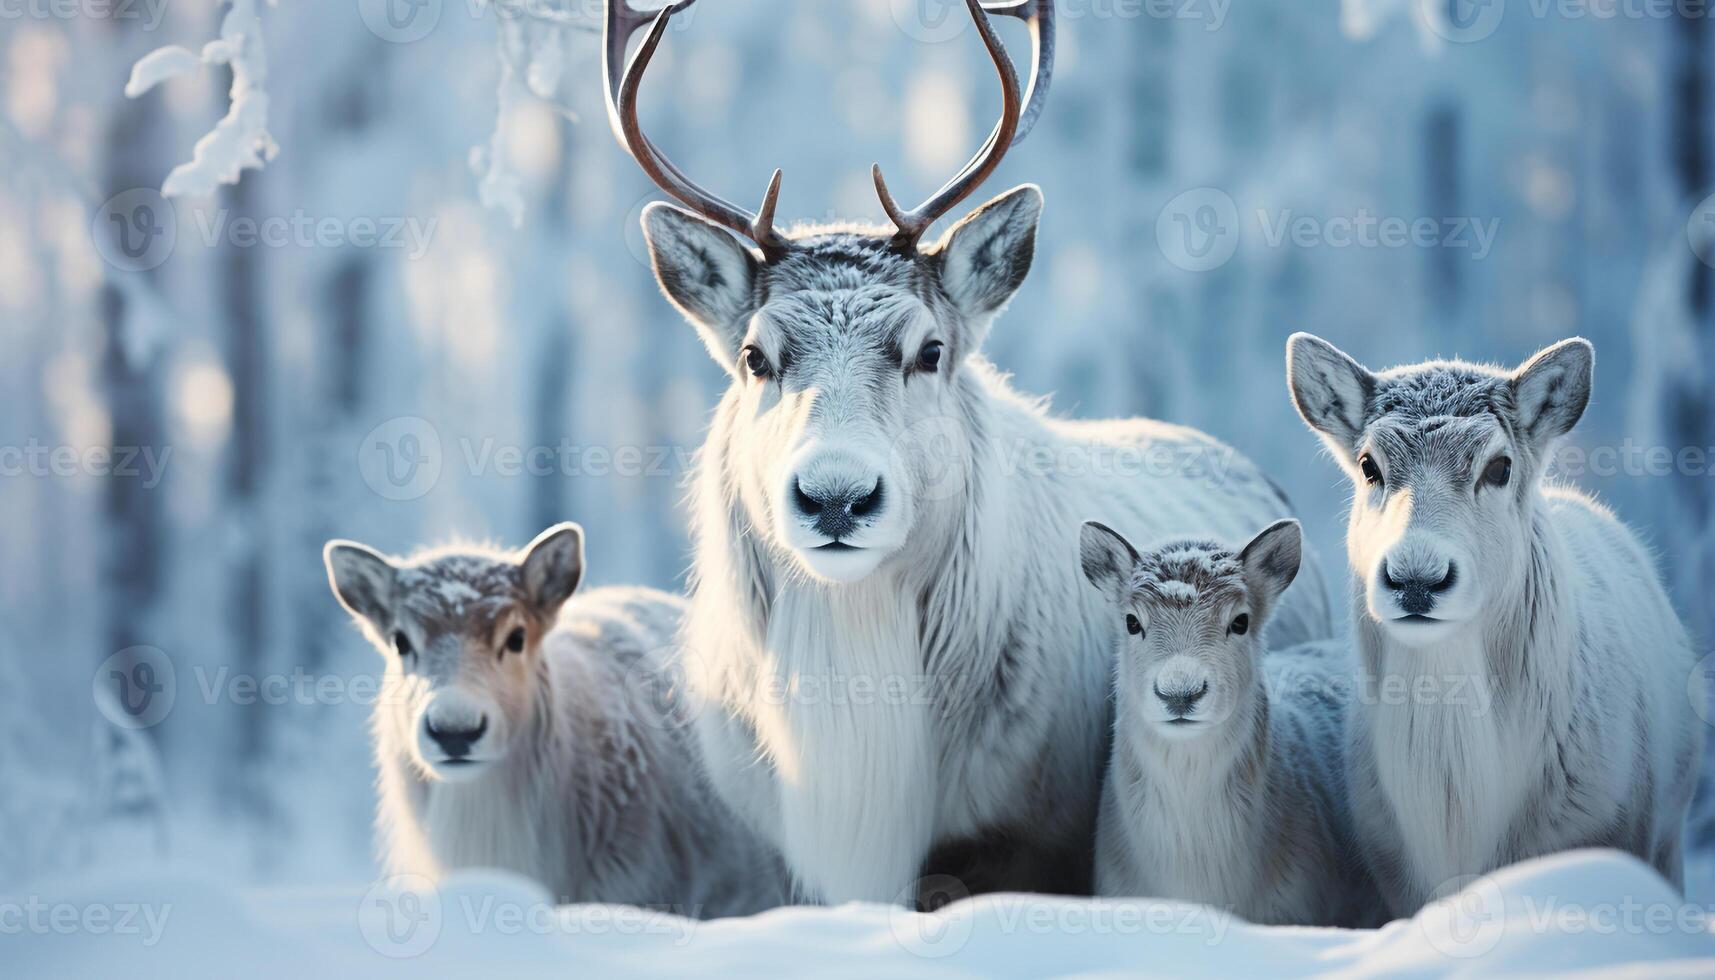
(402, 361)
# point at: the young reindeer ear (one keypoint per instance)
(1551, 390)
(1270, 561)
(705, 272)
(984, 258)
(553, 566)
(1107, 559)
(362, 580)
(1331, 391)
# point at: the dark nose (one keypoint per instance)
(836, 511)
(456, 742)
(1417, 592)
(1180, 703)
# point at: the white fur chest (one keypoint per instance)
(482, 825)
(1193, 844)
(844, 694)
(1452, 769)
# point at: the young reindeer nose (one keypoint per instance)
(833, 508)
(1417, 589)
(1180, 700)
(456, 740)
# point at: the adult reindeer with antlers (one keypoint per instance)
(896, 661)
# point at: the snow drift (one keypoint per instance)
(1598, 913)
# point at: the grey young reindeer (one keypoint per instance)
(862, 526)
(1226, 784)
(515, 730)
(1467, 570)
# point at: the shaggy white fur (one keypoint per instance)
(519, 730)
(1538, 671)
(902, 666)
(1226, 785)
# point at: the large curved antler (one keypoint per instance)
(622, 85)
(1018, 116)
(1019, 113)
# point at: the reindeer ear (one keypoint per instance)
(1331, 391)
(706, 273)
(1551, 390)
(984, 258)
(554, 565)
(1271, 560)
(1107, 559)
(362, 580)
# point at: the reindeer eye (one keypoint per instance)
(1498, 472)
(515, 640)
(1372, 472)
(757, 362)
(929, 358)
(1133, 625)
(1241, 624)
(401, 643)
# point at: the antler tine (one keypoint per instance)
(622, 22)
(1014, 122)
(764, 221)
(1039, 16)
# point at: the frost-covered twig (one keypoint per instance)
(147, 310)
(240, 141)
(547, 12)
(498, 186)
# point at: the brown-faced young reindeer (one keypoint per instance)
(898, 664)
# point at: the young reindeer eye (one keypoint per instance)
(1499, 472)
(401, 643)
(1372, 472)
(515, 640)
(929, 358)
(756, 362)
(1241, 624)
(1133, 625)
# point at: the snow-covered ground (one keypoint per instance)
(1588, 913)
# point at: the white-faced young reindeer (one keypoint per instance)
(895, 648)
(1545, 667)
(512, 731)
(1227, 781)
